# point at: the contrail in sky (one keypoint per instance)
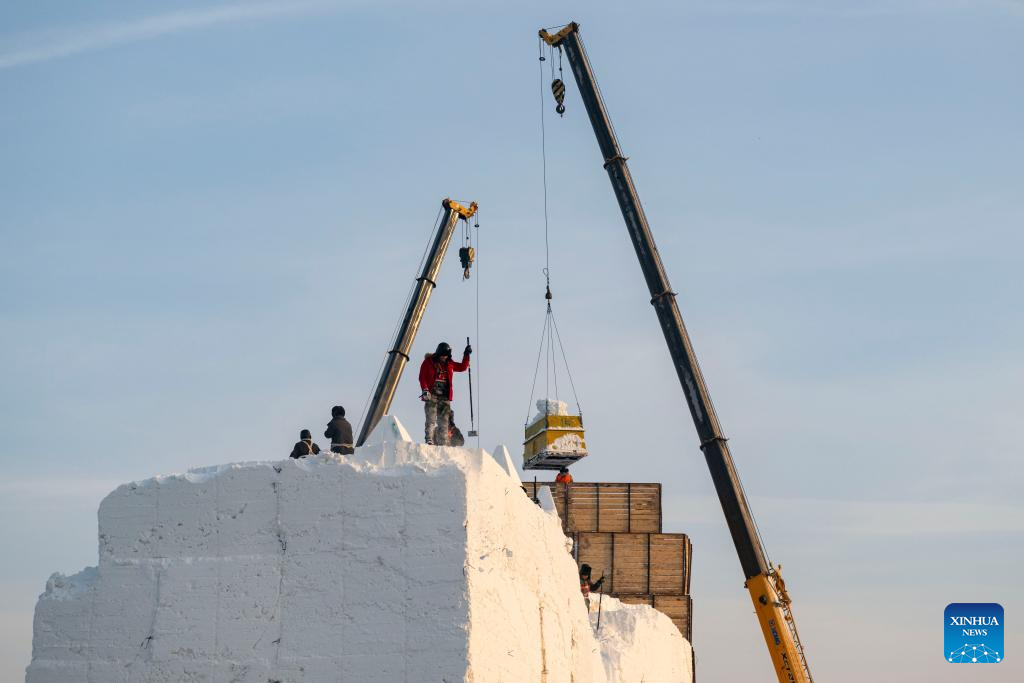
(65, 43)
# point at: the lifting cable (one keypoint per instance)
(549, 332)
(474, 429)
(468, 258)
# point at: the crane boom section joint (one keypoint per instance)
(617, 158)
(399, 352)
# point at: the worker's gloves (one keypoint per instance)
(425, 396)
(468, 350)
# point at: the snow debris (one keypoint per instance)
(401, 562)
(550, 406)
(633, 640)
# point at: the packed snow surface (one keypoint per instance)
(550, 406)
(403, 562)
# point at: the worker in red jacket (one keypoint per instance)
(436, 383)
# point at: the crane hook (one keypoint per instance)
(558, 90)
(466, 256)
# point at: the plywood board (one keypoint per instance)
(605, 507)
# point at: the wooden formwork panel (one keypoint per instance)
(595, 549)
(635, 563)
(678, 608)
(670, 564)
(631, 563)
(604, 507)
(636, 599)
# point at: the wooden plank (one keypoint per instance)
(636, 599)
(607, 507)
(631, 561)
(595, 549)
(679, 610)
(668, 564)
(582, 517)
(636, 563)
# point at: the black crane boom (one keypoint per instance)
(771, 601)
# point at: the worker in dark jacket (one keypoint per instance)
(339, 431)
(586, 585)
(305, 445)
(436, 383)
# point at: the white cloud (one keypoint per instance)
(56, 45)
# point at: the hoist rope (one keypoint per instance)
(477, 338)
(544, 167)
(549, 332)
(536, 370)
(554, 364)
(554, 324)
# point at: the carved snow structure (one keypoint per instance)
(403, 562)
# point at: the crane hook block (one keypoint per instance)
(466, 256)
(558, 90)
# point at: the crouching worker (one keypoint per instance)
(305, 445)
(586, 585)
(339, 431)
(436, 383)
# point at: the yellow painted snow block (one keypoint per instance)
(554, 437)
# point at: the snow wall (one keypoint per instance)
(403, 562)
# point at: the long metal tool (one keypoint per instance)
(472, 420)
(767, 590)
(398, 356)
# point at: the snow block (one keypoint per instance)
(401, 562)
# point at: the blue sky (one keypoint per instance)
(211, 215)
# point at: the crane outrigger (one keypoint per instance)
(763, 581)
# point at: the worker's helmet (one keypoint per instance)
(563, 470)
(338, 411)
(443, 349)
(304, 434)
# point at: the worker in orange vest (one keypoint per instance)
(563, 476)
